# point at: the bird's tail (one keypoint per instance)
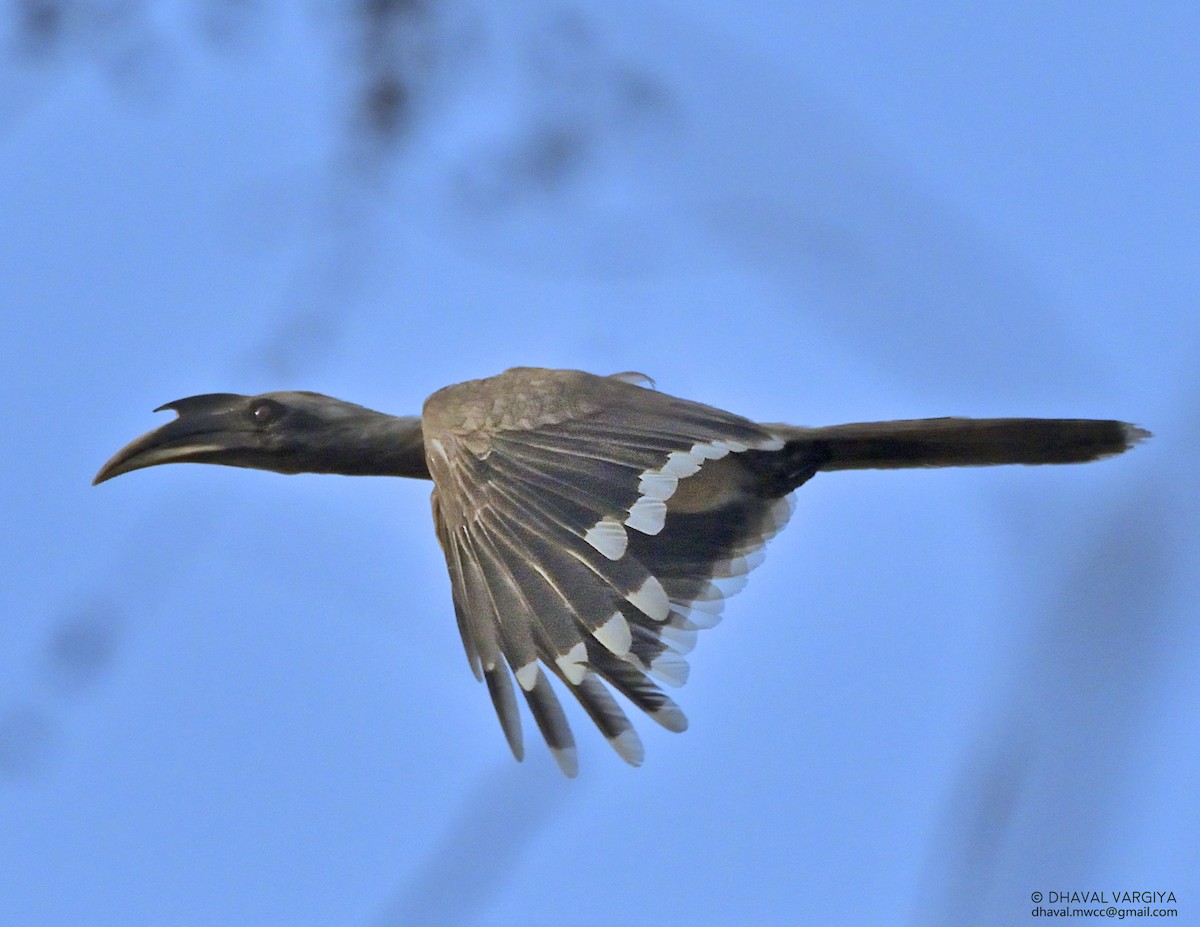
(961, 442)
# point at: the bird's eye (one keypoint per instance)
(264, 413)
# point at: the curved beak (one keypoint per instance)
(206, 427)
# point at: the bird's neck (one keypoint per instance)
(375, 445)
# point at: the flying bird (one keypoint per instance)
(591, 525)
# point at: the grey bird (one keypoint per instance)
(591, 525)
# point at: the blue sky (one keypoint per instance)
(230, 697)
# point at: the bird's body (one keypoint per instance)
(591, 526)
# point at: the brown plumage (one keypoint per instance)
(591, 525)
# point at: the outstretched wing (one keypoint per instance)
(591, 527)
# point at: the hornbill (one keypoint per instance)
(591, 525)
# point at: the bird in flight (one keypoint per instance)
(591, 525)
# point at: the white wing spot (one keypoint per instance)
(699, 619)
(573, 663)
(656, 485)
(647, 515)
(651, 599)
(567, 760)
(714, 451)
(729, 585)
(671, 717)
(778, 514)
(703, 613)
(681, 640)
(527, 675)
(615, 634)
(669, 668)
(608, 536)
(738, 566)
(629, 747)
(681, 464)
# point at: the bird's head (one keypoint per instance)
(286, 432)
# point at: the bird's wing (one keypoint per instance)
(593, 545)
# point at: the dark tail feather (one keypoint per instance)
(961, 442)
